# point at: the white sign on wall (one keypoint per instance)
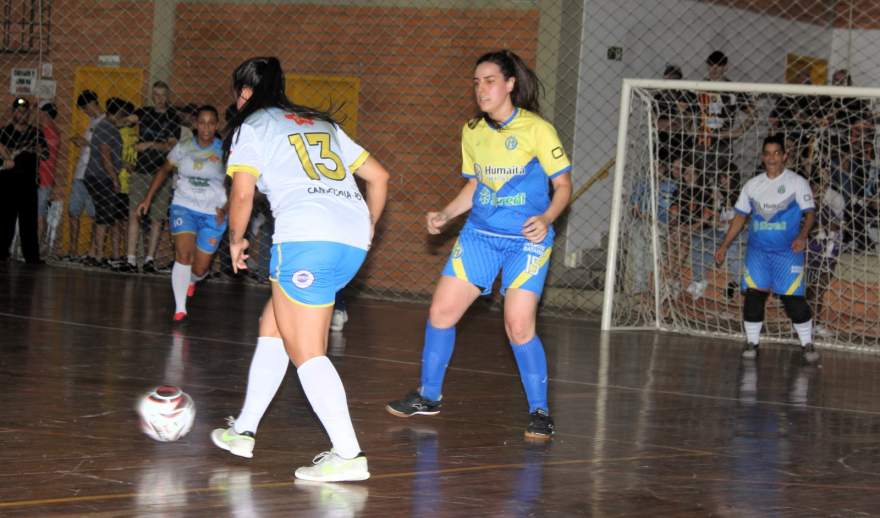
(22, 81)
(45, 89)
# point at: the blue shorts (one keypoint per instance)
(208, 233)
(477, 257)
(80, 200)
(311, 272)
(779, 272)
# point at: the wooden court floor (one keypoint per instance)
(649, 424)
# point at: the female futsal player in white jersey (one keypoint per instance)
(304, 163)
(510, 156)
(198, 209)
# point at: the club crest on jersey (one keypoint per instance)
(781, 189)
(511, 143)
(303, 279)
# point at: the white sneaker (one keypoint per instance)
(330, 467)
(820, 330)
(241, 444)
(697, 289)
(340, 317)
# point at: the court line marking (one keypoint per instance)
(460, 369)
(400, 474)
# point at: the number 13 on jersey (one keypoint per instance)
(302, 142)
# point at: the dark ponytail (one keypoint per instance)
(265, 77)
(527, 87)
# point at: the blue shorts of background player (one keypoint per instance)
(311, 272)
(779, 272)
(477, 258)
(208, 233)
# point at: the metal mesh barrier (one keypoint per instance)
(399, 74)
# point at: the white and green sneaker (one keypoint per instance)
(330, 467)
(241, 444)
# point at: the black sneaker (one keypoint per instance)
(413, 404)
(126, 267)
(749, 351)
(540, 425)
(809, 354)
(149, 267)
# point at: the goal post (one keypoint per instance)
(684, 151)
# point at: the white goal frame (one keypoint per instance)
(626, 105)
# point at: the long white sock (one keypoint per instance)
(193, 278)
(805, 332)
(325, 392)
(753, 331)
(268, 367)
(180, 274)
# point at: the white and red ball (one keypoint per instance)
(167, 413)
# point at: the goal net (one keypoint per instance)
(685, 150)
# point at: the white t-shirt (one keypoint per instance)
(305, 169)
(775, 206)
(200, 176)
(85, 152)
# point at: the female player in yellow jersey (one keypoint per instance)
(510, 156)
(304, 163)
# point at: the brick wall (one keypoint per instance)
(415, 67)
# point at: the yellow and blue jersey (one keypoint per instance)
(512, 164)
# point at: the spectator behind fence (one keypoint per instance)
(826, 242)
(102, 180)
(717, 128)
(706, 240)
(79, 200)
(159, 132)
(46, 191)
(21, 144)
(186, 117)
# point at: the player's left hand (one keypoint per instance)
(535, 228)
(799, 244)
(220, 217)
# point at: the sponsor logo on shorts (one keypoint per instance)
(511, 143)
(303, 279)
(178, 222)
(212, 241)
(797, 269)
(457, 251)
(534, 248)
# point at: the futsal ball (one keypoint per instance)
(167, 413)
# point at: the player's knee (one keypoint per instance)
(753, 308)
(519, 330)
(443, 314)
(796, 308)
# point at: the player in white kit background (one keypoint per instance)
(198, 209)
(778, 205)
(305, 164)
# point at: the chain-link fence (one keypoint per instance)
(400, 74)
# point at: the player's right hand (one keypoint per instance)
(142, 208)
(238, 256)
(436, 221)
(720, 253)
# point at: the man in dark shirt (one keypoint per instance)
(21, 147)
(102, 176)
(159, 131)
